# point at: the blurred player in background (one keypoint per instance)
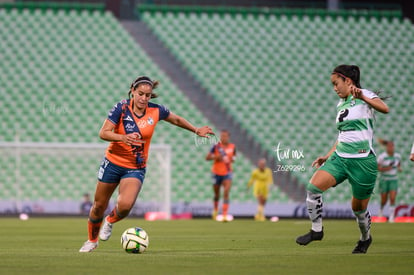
(389, 164)
(128, 128)
(352, 156)
(262, 179)
(223, 154)
(86, 205)
(412, 153)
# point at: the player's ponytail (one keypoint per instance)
(144, 80)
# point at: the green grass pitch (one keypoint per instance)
(201, 246)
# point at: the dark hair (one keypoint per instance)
(353, 73)
(350, 71)
(384, 142)
(144, 80)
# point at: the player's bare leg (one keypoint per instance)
(103, 194)
(216, 190)
(226, 197)
(393, 195)
(384, 198)
(129, 189)
(260, 208)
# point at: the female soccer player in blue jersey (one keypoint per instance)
(129, 128)
(352, 157)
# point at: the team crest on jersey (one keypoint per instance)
(352, 103)
(128, 118)
(150, 121)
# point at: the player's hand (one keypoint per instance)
(356, 92)
(130, 139)
(319, 161)
(218, 157)
(412, 157)
(204, 131)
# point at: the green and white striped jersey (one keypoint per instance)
(355, 121)
(385, 160)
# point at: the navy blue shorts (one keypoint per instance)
(218, 180)
(111, 173)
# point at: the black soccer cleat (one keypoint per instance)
(309, 237)
(362, 246)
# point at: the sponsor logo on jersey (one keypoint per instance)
(128, 118)
(129, 126)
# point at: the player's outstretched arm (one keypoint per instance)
(204, 131)
(412, 153)
(375, 103)
(251, 181)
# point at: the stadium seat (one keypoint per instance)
(295, 54)
(61, 78)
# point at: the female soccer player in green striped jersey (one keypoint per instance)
(352, 157)
(389, 164)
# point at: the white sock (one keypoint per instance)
(364, 222)
(315, 205)
(392, 210)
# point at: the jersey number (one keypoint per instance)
(343, 114)
(138, 151)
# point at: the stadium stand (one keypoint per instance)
(273, 67)
(62, 69)
(66, 66)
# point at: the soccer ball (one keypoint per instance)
(134, 240)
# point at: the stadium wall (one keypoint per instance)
(200, 209)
